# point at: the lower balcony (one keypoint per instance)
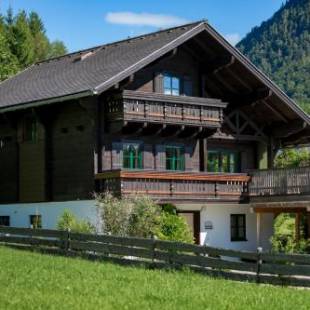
(167, 186)
(280, 184)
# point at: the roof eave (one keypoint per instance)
(34, 104)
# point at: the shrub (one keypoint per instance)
(174, 228)
(283, 240)
(169, 208)
(141, 217)
(114, 213)
(68, 221)
(144, 217)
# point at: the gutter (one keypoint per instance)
(38, 103)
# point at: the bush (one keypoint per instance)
(114, 213)
(173, 228)
(283, 240)
(141, 217)
(144, 217)
(68, 221)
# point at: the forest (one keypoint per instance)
(23, 41)
(280, 47)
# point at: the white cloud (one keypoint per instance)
(233, 38)
(144, 19)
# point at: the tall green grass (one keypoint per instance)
(35, 281)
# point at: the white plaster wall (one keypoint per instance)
(50, 212)
(219, 236)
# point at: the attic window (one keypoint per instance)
(83, 56)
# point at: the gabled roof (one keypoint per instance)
(101, 68)
(95, 70)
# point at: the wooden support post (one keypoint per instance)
(258, 232)
(308, 225)
(297, 226)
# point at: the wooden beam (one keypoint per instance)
(219, 64)
(253, 97)
(274, 111)
(286, 130)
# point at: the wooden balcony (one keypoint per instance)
(175, 186)
(153, 108)
(275, 183)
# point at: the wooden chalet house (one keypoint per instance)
(179, 114)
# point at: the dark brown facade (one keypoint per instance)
(219, 122)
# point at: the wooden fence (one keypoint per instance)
(257, 267)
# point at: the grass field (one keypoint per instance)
(35, 281)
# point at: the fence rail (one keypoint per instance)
(231, 264)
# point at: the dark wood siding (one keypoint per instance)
(72, 161)
(8, 164)
(149, 79)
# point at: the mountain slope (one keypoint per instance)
(280, 47)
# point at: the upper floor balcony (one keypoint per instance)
(154, 108)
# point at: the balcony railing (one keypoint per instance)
(136, 106)
(184, 186)
(280, 182)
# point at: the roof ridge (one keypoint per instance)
(98, 47)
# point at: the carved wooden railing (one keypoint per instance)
(139, 106)
(185, 186)
(278, 182)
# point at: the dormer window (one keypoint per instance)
(171, 85)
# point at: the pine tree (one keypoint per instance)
(23, 41)
(56, 48)
(40, 40)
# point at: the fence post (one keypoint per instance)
(258, 263)
(67, 240)
(153, 251)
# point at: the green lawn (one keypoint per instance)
(35, 281)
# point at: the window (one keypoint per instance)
(30, 129)
(4, 220)
(132, 156)
(171, 85)
(36, 221)
(175, 158)
(237, 227)
(223, 161)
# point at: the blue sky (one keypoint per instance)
(81, 24)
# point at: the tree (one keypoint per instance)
(280, 47)
(292, 158)
(8, 61)
(23, 41)
(40, 41)
(56, 48)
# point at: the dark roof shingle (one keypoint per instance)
(67, 75)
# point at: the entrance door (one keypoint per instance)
(192, 219)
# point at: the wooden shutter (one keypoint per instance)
(158, 83)
(148, 158)
(160, 156)
(117, 155)
(188, 158)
